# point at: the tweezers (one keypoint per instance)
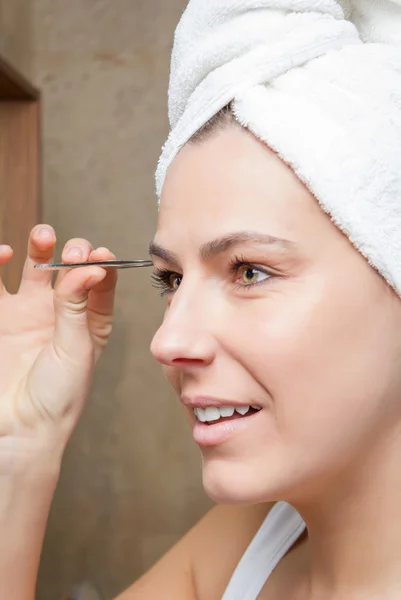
(114, 264)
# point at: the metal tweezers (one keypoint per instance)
(114, 264)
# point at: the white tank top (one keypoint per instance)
(278, 532)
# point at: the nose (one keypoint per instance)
(185, 337)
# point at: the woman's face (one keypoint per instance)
(269, 305)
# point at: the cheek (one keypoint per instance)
(320, 363)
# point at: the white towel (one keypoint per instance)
(377, 20)
(319, 81)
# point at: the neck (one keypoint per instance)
(354, 530)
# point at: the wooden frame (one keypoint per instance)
(19, 166)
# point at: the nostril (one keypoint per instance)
(187, 361)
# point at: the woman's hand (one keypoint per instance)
(50, 340)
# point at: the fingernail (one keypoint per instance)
(45, 234)
(74, 252)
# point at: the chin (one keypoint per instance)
(227, 482)
(252, 480)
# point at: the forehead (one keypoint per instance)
(229, 182)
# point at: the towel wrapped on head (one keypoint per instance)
(319, 81)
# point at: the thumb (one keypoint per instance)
(72, 337)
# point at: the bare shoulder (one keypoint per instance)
(218, 542)
(200, 565)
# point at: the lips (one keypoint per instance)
(216, 419)
(210, 401)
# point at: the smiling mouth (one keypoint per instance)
(218, 414)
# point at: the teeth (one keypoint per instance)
(256, 407)
(227, 411)
(200, 414)
(242, 410)
(212, 413)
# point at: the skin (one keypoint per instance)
(50, 341)
(316, 343)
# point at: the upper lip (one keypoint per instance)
(205, 401)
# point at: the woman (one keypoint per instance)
(281, 338)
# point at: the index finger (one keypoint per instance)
(102, 295)
(41, 243)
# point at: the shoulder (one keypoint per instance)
(200, 565)
(218, 541)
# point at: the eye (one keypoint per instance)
(175, 281)
(246, 275)
(166, 281)
(249, 275)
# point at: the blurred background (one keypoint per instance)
(131, 479)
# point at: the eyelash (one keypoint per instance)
(162, 277)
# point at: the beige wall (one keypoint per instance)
(131, 480)
(16, 34)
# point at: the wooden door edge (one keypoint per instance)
(20, 167)
(14, 86)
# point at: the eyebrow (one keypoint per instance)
(222, 244)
